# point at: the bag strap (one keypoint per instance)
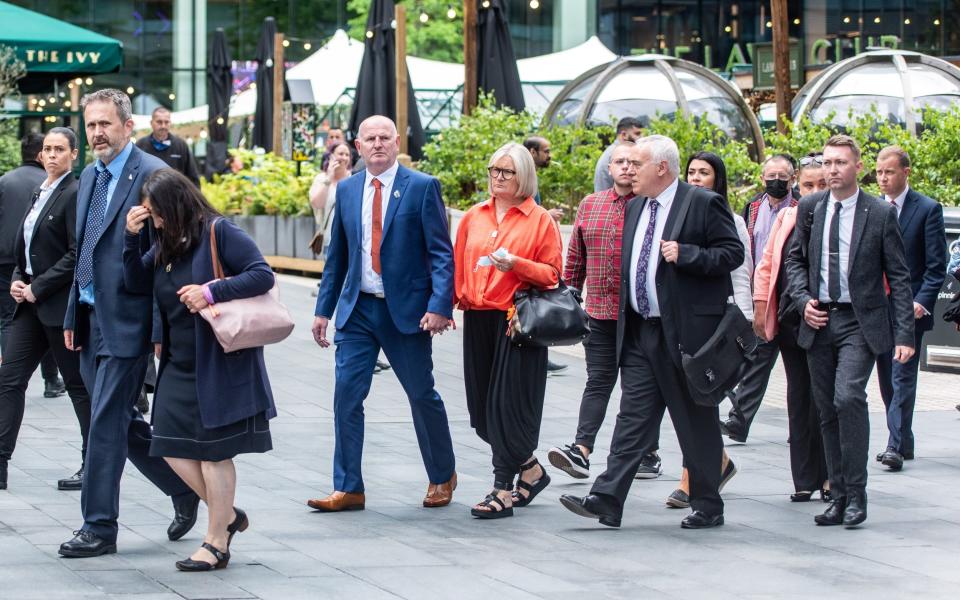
(214, 255)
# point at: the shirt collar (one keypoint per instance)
(901, 198)
(845, 201)
(53, 186)
(116, 165)
(526, 207)
(665, 198)
(785, 201)
(613, 195)
(386, 178)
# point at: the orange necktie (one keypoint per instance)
(377, 225)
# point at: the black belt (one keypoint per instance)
(831, 306)
(380, 296)
(634, 315)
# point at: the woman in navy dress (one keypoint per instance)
(209, 405)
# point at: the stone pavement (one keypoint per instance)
(769, 547)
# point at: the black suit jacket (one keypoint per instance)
(53, 252)
(692, 294)
(925, 249)
(876, 249)
(16, 190)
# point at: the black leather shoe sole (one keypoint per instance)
(892, 462)
(824, 521)
(88, 553)
(579, 509)
(733, 433)
(698, 524)
(70, 485)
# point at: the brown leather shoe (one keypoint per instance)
(339, 501)
(440, 494)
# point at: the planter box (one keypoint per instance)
(303, 230)
(263, 230)
(285, 236)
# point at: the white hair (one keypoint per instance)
(522, 163)
(663, 149)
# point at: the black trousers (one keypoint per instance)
(807, 462)
(29, 340)
(8, 306)
(505, 385)
(898, 388)
(650, 381)
(748, 394)
(601, 356)
(840, 364)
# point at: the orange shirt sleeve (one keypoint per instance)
(544, 270)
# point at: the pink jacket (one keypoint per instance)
(765, 274)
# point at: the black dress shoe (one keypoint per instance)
(892, 459)
(185, 515)
(72, 483)
(907, 455)
(834, 513)
(3, 474)
(86, 544)
(856, 511)
(54, 388)
(733, 430)
(701, 520)
(592, 507)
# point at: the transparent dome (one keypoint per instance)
(898, 83)
(650, 85)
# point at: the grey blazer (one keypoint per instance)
(876, 248)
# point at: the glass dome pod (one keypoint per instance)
(899, 83)
(650, 84)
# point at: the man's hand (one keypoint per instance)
(814, 318)
(68, 341)
(556, 213)
(320, 331)
(16, 291)
(28, 294)
(192, 297)
(902, 354)
(760, 320)
(434, 323)
(136, 218)
(918, 310)
(670, 251)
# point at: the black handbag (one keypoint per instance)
(544, 318)
(719, 364)
(952, 313)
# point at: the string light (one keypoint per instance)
(307, 45)
(796, 21)
(451, 13)
(286, 43)
(369, 34)
(534, 4)
(876, 19)
(936, 22)
(906, 21)
(89, 81)
(728, 29)
(78, 81)
(486, 3)
(172, 96)
(219, 120)
(769, 25)
(846, 19)
(130, 89)
(424, 17)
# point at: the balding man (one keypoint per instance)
(167, 147)
(389, 276)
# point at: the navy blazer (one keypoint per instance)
(230, 387)
(126, 333)
(416, 254)
(925, 248)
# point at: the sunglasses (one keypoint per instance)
(808, 160)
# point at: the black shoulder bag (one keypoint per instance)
(551, 317)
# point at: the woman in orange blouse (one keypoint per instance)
(505, 244)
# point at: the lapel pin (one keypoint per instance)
(130, 176)
(49, 217)
(396, 193)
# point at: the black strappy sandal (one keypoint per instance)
(240, 523)
(491, 502)
(533, 489)
(223, 558)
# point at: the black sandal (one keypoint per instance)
(492, 501)
(532, 489)
(240, 523)
(201, 565)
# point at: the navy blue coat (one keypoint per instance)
(230, 387)
(925, 248)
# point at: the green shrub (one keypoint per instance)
(267, 185)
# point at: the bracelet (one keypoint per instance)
(208, 294)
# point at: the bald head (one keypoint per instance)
(378, 143)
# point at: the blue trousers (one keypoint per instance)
(898, 388)
(116, 432)
(369, 329)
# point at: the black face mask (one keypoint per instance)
(776, 188)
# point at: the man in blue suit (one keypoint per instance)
(110, 327)
(925, 246)
(389, 275)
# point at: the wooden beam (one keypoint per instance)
(400, 62)
(278, 79)
(781, 61)
(469, 56)
(289, 263)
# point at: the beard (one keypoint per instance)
(107, 154)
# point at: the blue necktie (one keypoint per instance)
(91, 231)
(643, 301)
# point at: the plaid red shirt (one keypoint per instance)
(594, 252)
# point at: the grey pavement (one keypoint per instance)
(769, 547)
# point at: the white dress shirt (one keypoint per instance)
(370, 280)
(899, 200)
(31, 220)
(665, 200)
(847, 211)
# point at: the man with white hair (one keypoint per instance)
(679, 246)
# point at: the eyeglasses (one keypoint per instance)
(623, 162)
(498, 173)
(807, 160)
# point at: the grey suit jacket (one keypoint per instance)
(876, 248)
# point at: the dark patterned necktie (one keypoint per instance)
(91, 231)
(833, 280)
(643, 301)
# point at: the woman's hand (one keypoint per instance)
(503, 264)
(192, 297)
(136, 218)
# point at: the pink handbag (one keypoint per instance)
(246, 322)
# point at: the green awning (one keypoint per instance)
(56, 48)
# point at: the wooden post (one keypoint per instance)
(469, 56)
(400, 63)
(781, 61)
(278, 80)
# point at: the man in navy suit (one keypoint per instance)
(389, 275)
(925, 248)
(110, 327)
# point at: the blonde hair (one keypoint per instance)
(522, 163)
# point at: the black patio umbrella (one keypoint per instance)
(263, 117)
(377, 82)
(219, 90)
(496, 64)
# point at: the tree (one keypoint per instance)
(440, 38)
(12, 70)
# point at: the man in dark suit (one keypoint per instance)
(110, 326)
(845, 242)
(389, 275)
(673, 293)
(167, 147)
(16, 192)
(925, 248)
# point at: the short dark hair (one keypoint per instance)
(719, 171)
(160, 108)
(118, 99)
(902, 157)
(533, 142)
(30, 146)
(68, 133)
(840, 140)
(628, 123)
(784, 157)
